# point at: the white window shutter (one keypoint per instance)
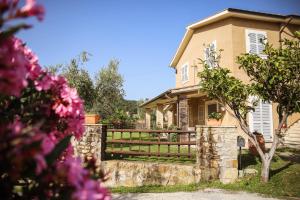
(209, 54)
(254, 41)
(261, 120)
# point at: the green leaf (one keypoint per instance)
(57, 151)
(13, 30)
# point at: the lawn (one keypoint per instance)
(284, 181)
(145, 148)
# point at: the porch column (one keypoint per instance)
(159, 116)
(170, 117)
(183, 113)
(148, 118)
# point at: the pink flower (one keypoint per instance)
(75, 127)
(44, 83)
(47, 145)
(69, 103)
(91, 190)
(72, 169)
(13, 69)
(16, 127)
(40, 163)
(32, 9)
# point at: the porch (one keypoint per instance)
(181, 108)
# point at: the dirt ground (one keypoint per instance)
(207, 194)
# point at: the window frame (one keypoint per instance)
(250, 116)
(214, 42)
(207, 103)
(247, 32)
(185, 65)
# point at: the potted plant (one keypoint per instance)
(92, 118)
(261, 141)
(214, 119)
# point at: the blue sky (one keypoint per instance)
(142, 34)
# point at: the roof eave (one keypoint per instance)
(226, 14)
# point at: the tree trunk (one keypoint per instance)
(265, 170)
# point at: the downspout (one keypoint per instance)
(178, 112)
(282, 29)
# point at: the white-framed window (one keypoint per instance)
(185, 73)
(255, 42)
(210, 53)
(261, 119)
(211, 106)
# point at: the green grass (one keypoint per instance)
(145, 148)
(284, 181)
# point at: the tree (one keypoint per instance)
(274, 78)
(79, 78)
(109, 90)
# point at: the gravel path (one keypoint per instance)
(207, 194)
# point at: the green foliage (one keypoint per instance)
(109, 90)
(219, 84)
(276, 78)
(79, 78)
(215, 115)
(120, 119)
(105, 96)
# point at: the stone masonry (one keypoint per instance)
(217, 152)
(216, 159)
(90, 143)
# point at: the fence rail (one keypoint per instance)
(160, 143)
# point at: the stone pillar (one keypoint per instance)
(217, 152)
(170, 117)
(148, 119)
(159, 116)
(183, 113)
(92, 143)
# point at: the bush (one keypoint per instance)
(39, 115)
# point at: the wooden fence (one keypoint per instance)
(158, 143)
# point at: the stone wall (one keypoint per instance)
(90, 143)
(216, 159)
(134, 173)
(217, 152)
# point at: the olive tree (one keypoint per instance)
(274, 78)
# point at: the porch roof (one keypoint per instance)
(171, 96)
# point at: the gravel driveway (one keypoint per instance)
(207, 194)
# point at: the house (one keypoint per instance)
(235, 31)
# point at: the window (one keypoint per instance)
(185, 73)
(212, 106)
(255, 42)
(260, 120)
(209, 54)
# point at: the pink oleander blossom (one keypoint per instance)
(91, 190)
(44, 83)
(71, 167)
(40, 163)
(13, 69)
(69, 103)
(48, 144)
(31, 8)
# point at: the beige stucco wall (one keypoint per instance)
(221, 32)
(231, 37)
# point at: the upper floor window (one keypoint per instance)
(185, 73)
(210, 53)
(255, 42)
